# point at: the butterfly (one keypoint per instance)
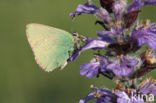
(52, 47)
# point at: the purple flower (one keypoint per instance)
(123, 97)
(137, 4)
(86, 8)
(130, 61)
(115, 31)
(103, 14)
(89, 97)
(120, 70)
(106, 38)
(117, 18)
(101, 95)
(118, 9)
(148, 86)
(90, 44)
(92, 9)
(93, 95)
(92, 69)
(145, 35)
(122, 67)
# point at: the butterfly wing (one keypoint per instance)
(51, 46)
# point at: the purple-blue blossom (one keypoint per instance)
(148, 86)
(92, 9)
(90, 44)
(145, 34)
(137, 4)
(115, 31)
(119, 51)
(86, 9)
(104, 95)
(101, 95)
(123, 66)
(123, 97)
(93, 68)
(103, 14)
(119, 8)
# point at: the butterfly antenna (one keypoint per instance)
(72, 25)
(89, 2)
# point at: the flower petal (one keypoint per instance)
(106, 38)
(145, 35)
(90, 44)
(89, 97)
(120, 69)
(85, 8)
(118, 9)
(130, 61)
(138, 4)
(103, 14)
(122, 97)
(90, 70)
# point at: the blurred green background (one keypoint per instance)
(21, 79)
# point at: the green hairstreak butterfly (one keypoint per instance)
(51, 46)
